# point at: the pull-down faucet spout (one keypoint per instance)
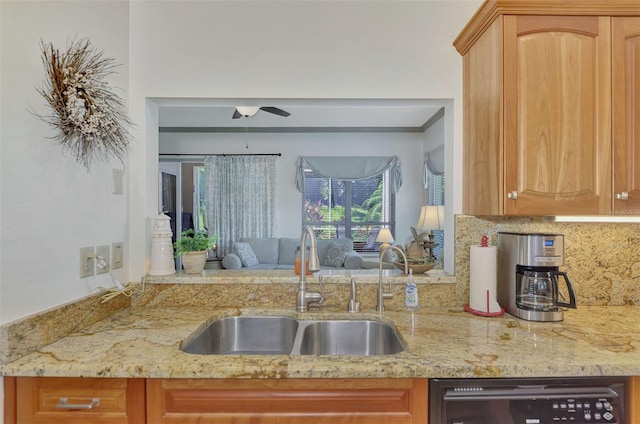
(381, 294)
(354, 305)
(304, 297)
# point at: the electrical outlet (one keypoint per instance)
(103, 251)
(117, 251)
(87, 262)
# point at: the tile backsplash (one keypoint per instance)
(601, 259)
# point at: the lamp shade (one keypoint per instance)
(431, 218)
(384, 236)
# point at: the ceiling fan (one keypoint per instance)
(247, 111)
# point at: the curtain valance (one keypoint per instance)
(434, 160)
(349, 168)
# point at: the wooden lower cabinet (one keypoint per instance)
(291, 401)
(46, 400)
(33, 400)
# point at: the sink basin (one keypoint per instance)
(364, 337)
(244, 335)
(276, 335)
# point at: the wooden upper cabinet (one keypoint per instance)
(626, 114)
(557, 131)
(539, 96)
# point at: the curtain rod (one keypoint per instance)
(219, 154)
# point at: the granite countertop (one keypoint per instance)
(441, 342)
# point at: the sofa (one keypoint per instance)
(279, 253)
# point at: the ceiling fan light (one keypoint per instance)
(247, 110)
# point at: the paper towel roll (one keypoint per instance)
(483, 279)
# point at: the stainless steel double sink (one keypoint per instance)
(280, 335)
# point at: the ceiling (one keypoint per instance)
(307, 115)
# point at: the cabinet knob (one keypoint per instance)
(513, 195)
(62, 404)
(622, 196)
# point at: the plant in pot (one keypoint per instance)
(192, 246)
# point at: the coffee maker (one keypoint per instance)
(528, 276)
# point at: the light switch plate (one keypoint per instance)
(87, 262)
(104, 252)
(117, 180)
(117, 253)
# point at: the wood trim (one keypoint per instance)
(626, 110)
(633, 406)
(604, 128)
(491, 9)
(587, 25)
(420, 401)
(510, 111)
(136, 400)
(10, 400)
(483, 133)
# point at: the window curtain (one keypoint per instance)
(240, 197)
(349, 168)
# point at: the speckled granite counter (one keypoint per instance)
(441, 342)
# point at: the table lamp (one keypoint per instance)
(431, 219)
(384, 237)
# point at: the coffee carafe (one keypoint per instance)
(530, 285)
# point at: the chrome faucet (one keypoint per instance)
(381, 294)
(304, 297)
(354, 305)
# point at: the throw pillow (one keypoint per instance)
(336, 254)
(246, 254)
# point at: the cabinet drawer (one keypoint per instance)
(80, 400)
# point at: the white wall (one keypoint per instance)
(50, 205)
(272, 49)
(292, 145)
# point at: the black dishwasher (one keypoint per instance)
(576, 400)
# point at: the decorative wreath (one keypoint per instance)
(90, 119)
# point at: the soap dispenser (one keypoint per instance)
(411, 301)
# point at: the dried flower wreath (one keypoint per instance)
(91, 120)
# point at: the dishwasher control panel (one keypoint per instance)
(565, 410)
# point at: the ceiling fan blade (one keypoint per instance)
(275, 110)
(236, 114)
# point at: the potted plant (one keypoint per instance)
(192, 246)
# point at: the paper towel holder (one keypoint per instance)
(489, 299)
(467, 308)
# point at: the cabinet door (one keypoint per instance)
(557, 96)
(290, 401)
(80, 400)
(482, 154)
(626, 115)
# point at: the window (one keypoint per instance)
(349, 209)
(199, 199)
(435, 192)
